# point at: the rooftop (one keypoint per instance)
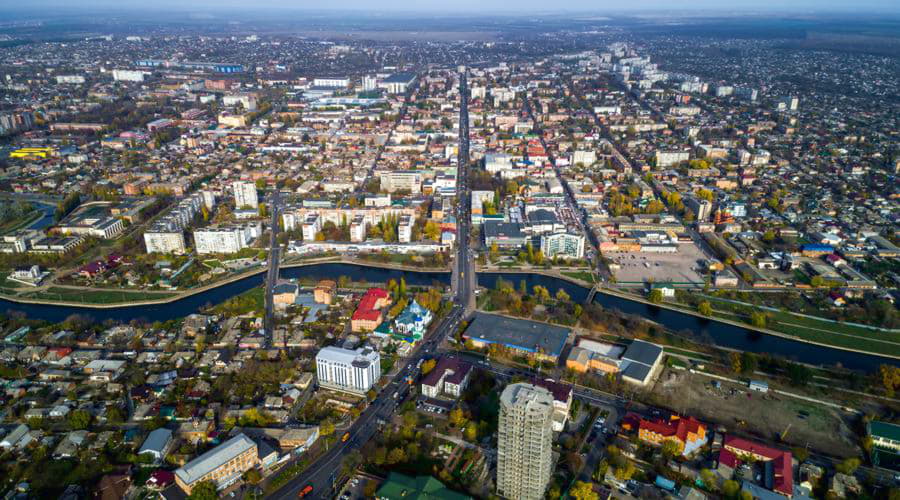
(519, 334)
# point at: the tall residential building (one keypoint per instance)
(524, 445)
(358, 229)
(226, 239)
(312, 224)
(348, 370)
(160, 240)
(701, 208)
(404, 229)
(401, 180)
(245, 194)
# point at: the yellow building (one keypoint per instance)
(223, 465)
(33, 153)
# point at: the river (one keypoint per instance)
(722, 334)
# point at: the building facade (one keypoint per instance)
(222, 465)
(354, 371)
(563, 245)
(524, 445)
(245, 194)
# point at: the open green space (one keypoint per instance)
(579, 275)
(95, 296)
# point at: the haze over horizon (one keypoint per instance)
(522, 7)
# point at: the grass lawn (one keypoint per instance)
(690, 354)
(96, 296)
(579, 275)
(21, 222)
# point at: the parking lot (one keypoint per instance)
(639, 267)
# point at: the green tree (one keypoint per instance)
(705, 308)
(471, 433)
(656, 296)
(670, 449)
(562, 296)
(206, 490)
(731, 488)
(79, 420)
(758, 319)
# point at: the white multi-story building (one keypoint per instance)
(247, 101)
(127, 75)
(245, 194)
(788, 103)
(162, 241)
(369, 83)
(335, 82)
(404, 229)
(225, 239)
(525, 442)
(668, 158)
(358, 229)
(401, 180)
(74, 79)
(311, 226)
(348, 370)
(563, 244)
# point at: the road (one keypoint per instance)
(322, 474)
(272, 274)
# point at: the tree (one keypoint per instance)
(890, 378)
(731, 488)
(206, 490)
(79, 420)
(709, 479)
(396, 456)
(326, 428)
(114, 415)
(471, 433)
(735, 358)
(562, 296)
(656, 296)
(705, 308)
(758, 319)
(457, 419)
(749, 362)
(253, 476)
(625, 472)
(670, 449)
(427, 366)
(432, 231)
(583, 491)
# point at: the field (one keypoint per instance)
(579, 275)
(816, 330)
(663, 267)
(95, 296)
(756, 415)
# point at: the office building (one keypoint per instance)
(563, 245)
(245, 194)
(525, 442)
(222, 465)
(450, 377)
(354, 371)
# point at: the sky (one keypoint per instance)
(486, 6)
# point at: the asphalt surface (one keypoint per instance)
(272, 273)
(323, 473)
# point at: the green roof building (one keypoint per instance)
(402, 487)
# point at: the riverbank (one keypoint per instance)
(690, 312)
(174, 296)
